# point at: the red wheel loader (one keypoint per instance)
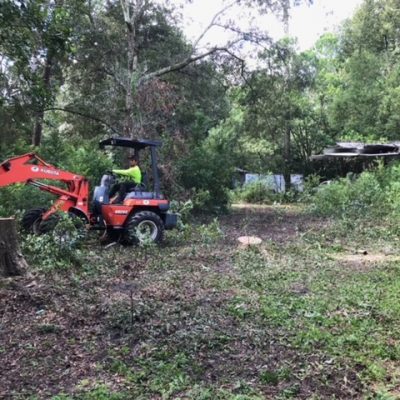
(142, 216)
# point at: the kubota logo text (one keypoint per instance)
(44, 170)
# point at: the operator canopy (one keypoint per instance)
(137, 144)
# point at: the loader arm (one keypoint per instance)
(30, 169)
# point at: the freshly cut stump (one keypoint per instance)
(12, 262)
(246, 241)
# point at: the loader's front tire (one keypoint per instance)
(47, 225)
(143, 227)
(66, 229)
(31, 218)
(32, 221)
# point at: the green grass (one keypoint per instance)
(202, 319)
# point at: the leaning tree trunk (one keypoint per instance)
(12, 262)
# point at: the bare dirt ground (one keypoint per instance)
(160, 324)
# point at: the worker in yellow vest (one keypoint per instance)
(131, 177)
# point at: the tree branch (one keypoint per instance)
(177, 66)
(90, 12)
(81, 114)
(188, 60)
(211, 24)
(127, 17)
(242, 65)
(251, 36)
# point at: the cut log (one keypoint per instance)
(12, 262)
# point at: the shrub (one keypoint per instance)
(14, 199)
(373, 194)
(255, 192)
(259, 193)
(209, 175)
(311, 185)
(81, 157)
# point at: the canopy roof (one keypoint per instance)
(137, 144)
(360, 150)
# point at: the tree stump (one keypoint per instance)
(12, 262)
(247, 241)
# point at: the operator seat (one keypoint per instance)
(139, 195)
(140, 191)
(101, 194)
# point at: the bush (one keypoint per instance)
(311, 185)
(14, 199)
(80, 157)
(209, 175)
(259, 193)
(255, 192)
(374, 194)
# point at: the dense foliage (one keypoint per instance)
(69, 76)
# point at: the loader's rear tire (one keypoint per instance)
(31, 218)
(143, 227)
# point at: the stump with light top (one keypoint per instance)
(247, 241)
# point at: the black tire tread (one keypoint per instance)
(140, 216)
(47, 225)
(30, 217)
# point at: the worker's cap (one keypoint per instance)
(133, 157)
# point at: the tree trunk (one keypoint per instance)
(12, 262)
(129, 101)
(130, 14)
(287, 156)
(38, 128)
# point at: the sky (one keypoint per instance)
(307, 23)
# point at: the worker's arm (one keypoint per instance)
(133, 173)
(123, 172)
